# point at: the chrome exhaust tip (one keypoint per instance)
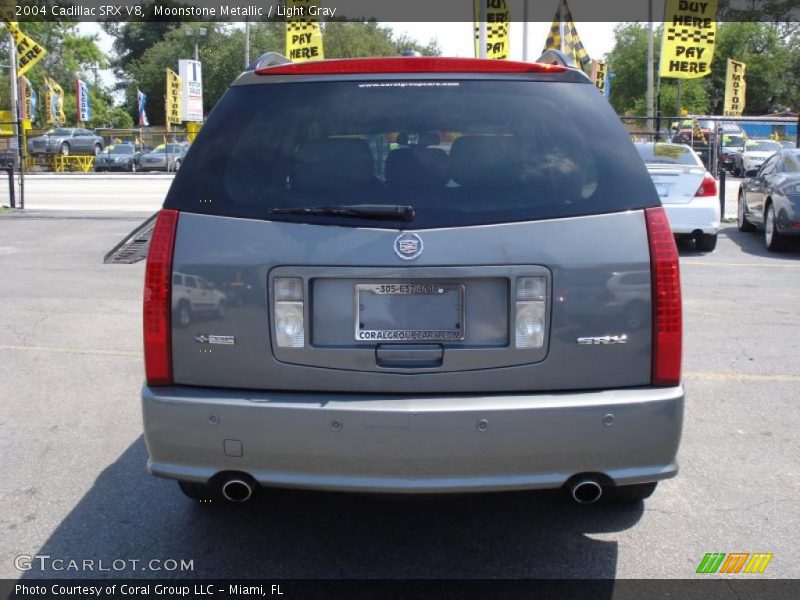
(237, 490)
(586, 491)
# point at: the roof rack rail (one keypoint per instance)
(554, 57)
(267, 60)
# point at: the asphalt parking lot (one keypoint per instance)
(75, 485)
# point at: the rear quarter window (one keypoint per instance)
(460, 152)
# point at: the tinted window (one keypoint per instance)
(177, 280)
(122, 149)
(460, 152)
(671, 154)
(769, 166)
(729, 140)
(62, 132)
(762, 146)
(190, 282)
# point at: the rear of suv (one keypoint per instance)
(439, 275)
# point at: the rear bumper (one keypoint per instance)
(699, 214)
(413, 444)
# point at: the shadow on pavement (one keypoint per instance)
(753, 243)
(749, 242)
(127, 514)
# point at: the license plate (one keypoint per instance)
(662, 189)
(417, 311)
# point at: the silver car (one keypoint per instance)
(460, 278)
(166, 157)
(66, 141)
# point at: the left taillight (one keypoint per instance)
(157, 300)
(708, 187)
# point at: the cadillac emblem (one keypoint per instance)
(408, 246)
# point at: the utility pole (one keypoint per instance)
(482, 29)
(246, 42)
(14, 89)
(525, 30)
(650, 59)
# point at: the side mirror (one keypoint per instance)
(751, 173)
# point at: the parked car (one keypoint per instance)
(687, 190)
(501, 311)
(118, 157)
(769, 199)
(194, 296)
(732, 143)
(66, 141)
(753, 156)
(166, 157)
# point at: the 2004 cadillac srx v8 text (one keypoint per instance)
(438, 275)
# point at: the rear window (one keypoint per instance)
(671, 154)
(459, 152)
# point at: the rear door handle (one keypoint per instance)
(409, 356)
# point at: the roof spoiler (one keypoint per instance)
(268, 59)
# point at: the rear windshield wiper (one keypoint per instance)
(366, 211)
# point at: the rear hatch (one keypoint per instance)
(412, 233)
(676, 171)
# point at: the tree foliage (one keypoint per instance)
(222, 53)
(70, 53)
(770, 50)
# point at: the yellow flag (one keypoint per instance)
(599, 72)
(497, 28)
(59, 94)
(50, 102)
(173, 99)
(303, 34)
(28, 51)
(690, 34)
(564, 37)
(735, 89)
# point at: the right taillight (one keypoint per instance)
(666, 292)
(157, 300)
(708, 187)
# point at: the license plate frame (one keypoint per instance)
(418, 288)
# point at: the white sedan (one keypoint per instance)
(687, 190)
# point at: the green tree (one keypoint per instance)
(222, 52)
(69, 54)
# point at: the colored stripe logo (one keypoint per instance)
(734, 562)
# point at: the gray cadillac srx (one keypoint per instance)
(412, 275)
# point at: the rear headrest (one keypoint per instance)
(333, 163)
(416, 168)
(486, 161)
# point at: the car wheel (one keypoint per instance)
(184, 314)
(202, 492)
(64, 149)
(97, 149)
(741, 219)
(707, 242)
(630, 493)
(773, 239)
